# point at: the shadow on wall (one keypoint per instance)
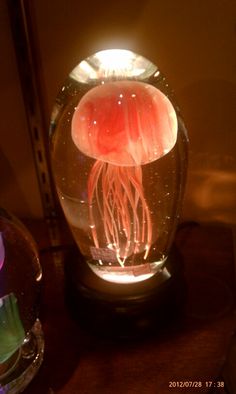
(211, 186)
(10, 187)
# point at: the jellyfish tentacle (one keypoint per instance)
(115, 202)
(149, 231)
(147, 214)
(98, 197)
(92, 184)
(125, 216)
(125, 181)
(121, 212)
(105, 189)
(109, 220)
(121, 207)
(136, 226)
(138, 175)
(122, 195)
(109, 217)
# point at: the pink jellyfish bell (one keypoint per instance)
(123, 125)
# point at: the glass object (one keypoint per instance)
(21, 337)
(119, 156)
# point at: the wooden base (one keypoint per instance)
(124, 310)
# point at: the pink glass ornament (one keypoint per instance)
(123, 125)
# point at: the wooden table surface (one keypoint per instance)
(192, 350)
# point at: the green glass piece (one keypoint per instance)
(11, 330)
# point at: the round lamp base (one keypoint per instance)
(124, 310)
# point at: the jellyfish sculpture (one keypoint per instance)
(123, 125)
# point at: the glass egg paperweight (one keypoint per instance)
(21, 337)
(119, 159)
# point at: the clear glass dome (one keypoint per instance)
(21, 340)
(119, 156)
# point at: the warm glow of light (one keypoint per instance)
(112, 62)
(125, 278)
(130, 274)
(87, 69)
(115, 59)
(120, 277)
(157, 73)
(39, 276)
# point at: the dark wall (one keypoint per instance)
(192, 42)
